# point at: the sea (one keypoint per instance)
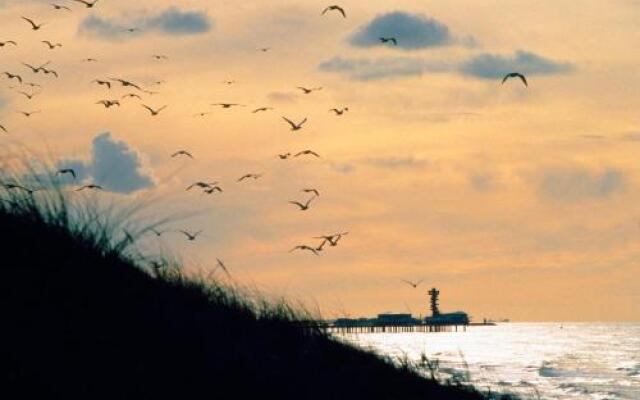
(534, 360)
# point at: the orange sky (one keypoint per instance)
(516, 202)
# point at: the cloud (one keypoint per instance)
(172, 21)
(413, 31)
(113, 165)
(396, 162)
(365, 69)
(282, 97)
(580, 184)
(493, 66)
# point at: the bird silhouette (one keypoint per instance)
(2, 128)
(284, 156)
(69, 171)
(213, 189)
(332, 239)
(159, 57)
(89, 60)
(307, 152)
(2, 44)
(157, 232)
(335, 8)
(59, 7)
(152, 111)
(515, 75)
(128, 95)
(340, 111)
(29, 96)
(308, 91)
(34, 26)
(311, 190)
(202, 185)
(228, 105)
(102, 83)
(13, 76)
(90, 186)
(294, 126)
(191, 236)
(125, 83)
(220, 264)
(87, 3)
(250, 176)
(229, 83)
(49, 71)
(303, 206)
(31, 84)
(305, 248)
(182, 153)
(51, 45)
(14, 186)
(37, 69)
(28, 113)
(413, 284)
(261, 109)
(389, 40)
(201, 114)
(109, 103)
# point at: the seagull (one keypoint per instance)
(86, 3)
(413, 284)
(223, 267)
(211, 190)
(132, 95)
(304, 247)
(294, 126)
(102, 83)
(307, 152)
(28, 114)
(515, 75)
(67, 171)
(191, 236)
(339, 112)
(126, 83)
(152, 111)
(13, 186)
(332, 239)
(159, 57)
(264, 49)
(201, 114)
(109, 103)
(49, 71)
(389, 40)
(32, 84)
(261, 109)
(284, 156)
(335, 8)
(13, 76)
(2, 44)
(29, 95)
(303, 207)
(35, 70)
(90, 186)
(59, 7)
(228, 105)
(307, 91)
(51, 45)
(182, 153)
(314, 191)
(89, 60)
(202, 185)
(3, 129)
(249, 176)
(34, 26)
(228, 82)
(157, 232)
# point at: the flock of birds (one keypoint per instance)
(31, 90)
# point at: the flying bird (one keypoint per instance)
(159, 57)
(261, 109)
(13, 186)
(152, 111)
(303, 206)
(59, 7)
(13, 76)
(389, 40)
(307, 152)
(264, 49)
(2, 128)
(332, 239)
(2, 44)
(515, 75)
(228, 105)
(311, 190)
(126, 83)
(27, 113)
(132, 95)
(294, 126)
(157, 232)
(340, 111)
(37, 69)
(102, 83)
(181, 153)
(51, 45)
(69, 171)
(88, 60)
(213, 189)
(308, 91)
(202, 185)
(228, 82)
(34, 26)
(49, 71)
(86, 3)
(191, 236)
(413, 284)
(284, 156)
(335, 8)
(109, 103)
(304, 247)
(250, 176)
(32, 84)
(29, 95)
(201, 114)
(220, 264)
(90, 186)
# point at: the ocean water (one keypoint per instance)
(558, 361)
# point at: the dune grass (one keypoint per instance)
(86, 316)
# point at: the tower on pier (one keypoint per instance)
(434, 293)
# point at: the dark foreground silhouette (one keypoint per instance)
(83, 318)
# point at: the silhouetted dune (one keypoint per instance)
(83, 317)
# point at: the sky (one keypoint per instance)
(516, 202)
